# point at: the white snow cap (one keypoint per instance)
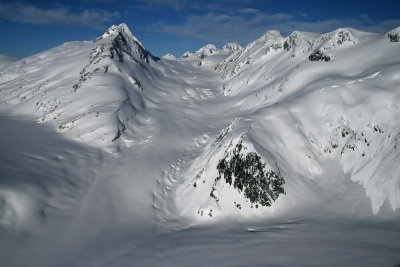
(208, 47)
(169, 56)
(114, 30)
(187, 54)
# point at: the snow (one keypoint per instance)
(6, 60)
(233, 47)
(394, 35)
(102, 144)
(169, 56)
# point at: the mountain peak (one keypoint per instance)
(304, 34)
(232, 47)
(122, 41)
(169, 56)
(116, 30)
(342, 36)
(209, 47)
(273, 34)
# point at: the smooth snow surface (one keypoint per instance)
(6, 60)
(109, 155)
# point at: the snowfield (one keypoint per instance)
(285, 152)
(6, 60)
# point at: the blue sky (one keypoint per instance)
(175, 26)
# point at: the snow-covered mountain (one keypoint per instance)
(287, 144)
(334, 118)
(169, 56)
(232, 47)
(209, 55)
(89, 90)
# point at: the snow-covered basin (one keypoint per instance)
(57, 223)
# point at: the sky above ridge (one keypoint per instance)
(176, 26)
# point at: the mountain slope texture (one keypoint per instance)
(285, 152)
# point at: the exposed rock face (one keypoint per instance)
(317, 55)
(233, 47)
(124, 43)
(290, 41)
(248, 174)
(394, 35)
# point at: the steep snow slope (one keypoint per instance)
(89, 90)
(305, 118)
(260, 150)
(273, 54)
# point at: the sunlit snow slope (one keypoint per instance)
(110, 155)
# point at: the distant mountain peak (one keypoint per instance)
(187, 54)
(208, 47)
(273, 34)
(232, 47)
(169, 56)
(343, 35)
